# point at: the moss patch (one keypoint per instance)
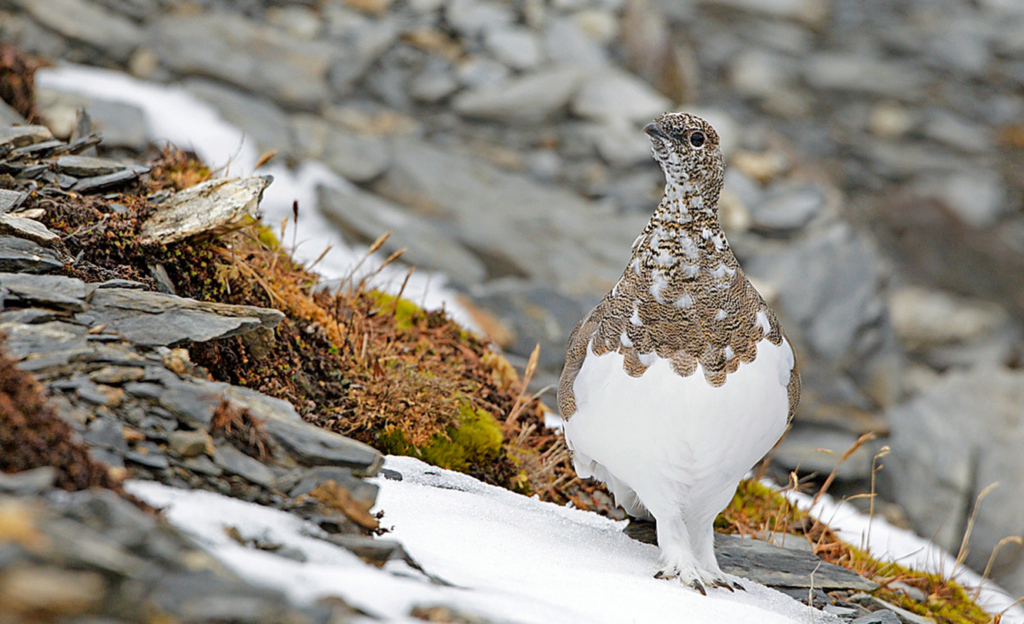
(474, 439)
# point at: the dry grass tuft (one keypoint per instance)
(242, 428)
(32, 435)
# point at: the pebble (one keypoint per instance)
(236, 462)
(188, 443)
(517, 47)
(244, 53)
(614, 95)
(522, 100)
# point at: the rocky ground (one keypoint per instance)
(873, 190)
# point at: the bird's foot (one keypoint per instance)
(725, 583)
(693, 579)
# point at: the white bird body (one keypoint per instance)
(681, 378)
(677, 446)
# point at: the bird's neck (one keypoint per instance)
(686, 210)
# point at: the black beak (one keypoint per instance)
(652, 130)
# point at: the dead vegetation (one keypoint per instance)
(242, 428)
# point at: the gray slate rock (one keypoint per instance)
(204, 207)
(19, 255)
(87, 166)
(767, 564)
(305, 482)
(360, 47)
(157, 319)
(861, 73)
(364, 217)
(51, 291)
(838, 294)
(818, 449)
(356, 157)
(45, 344)
(9, 116)
(35, 481)
(89, 23)
(192, 403)
(258, 117)
(527, 99)
(882, 616)
(956, 438)
(553, 235)
(567, 43)
(236, 462)
(105, 182)
(9, 200)
(787, 208)
(517, 47)
(246, 54)
(315, 446)
(27, 228)
(613, 95)
(13, 137)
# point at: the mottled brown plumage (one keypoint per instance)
(683, 295)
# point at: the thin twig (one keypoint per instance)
(867, 437)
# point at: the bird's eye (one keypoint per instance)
(697, 138)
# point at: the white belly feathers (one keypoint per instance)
(679, 441)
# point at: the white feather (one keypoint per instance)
(679, 443)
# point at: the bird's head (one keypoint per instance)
(687, 149)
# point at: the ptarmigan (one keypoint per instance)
(680, 379)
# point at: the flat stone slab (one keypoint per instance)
(50, 291)
(19, 255)
(204, 207)
(158, 319)
(314, 446)
(769, 565)
(106, 181)
(12, 137)
(88, 166)
(9, 200)
(27, 228)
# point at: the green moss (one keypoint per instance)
(393, 442)
(268, 238)
(405, 312)
(475, 439)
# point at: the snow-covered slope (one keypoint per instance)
(509, 558)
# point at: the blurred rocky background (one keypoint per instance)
(873, 193)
